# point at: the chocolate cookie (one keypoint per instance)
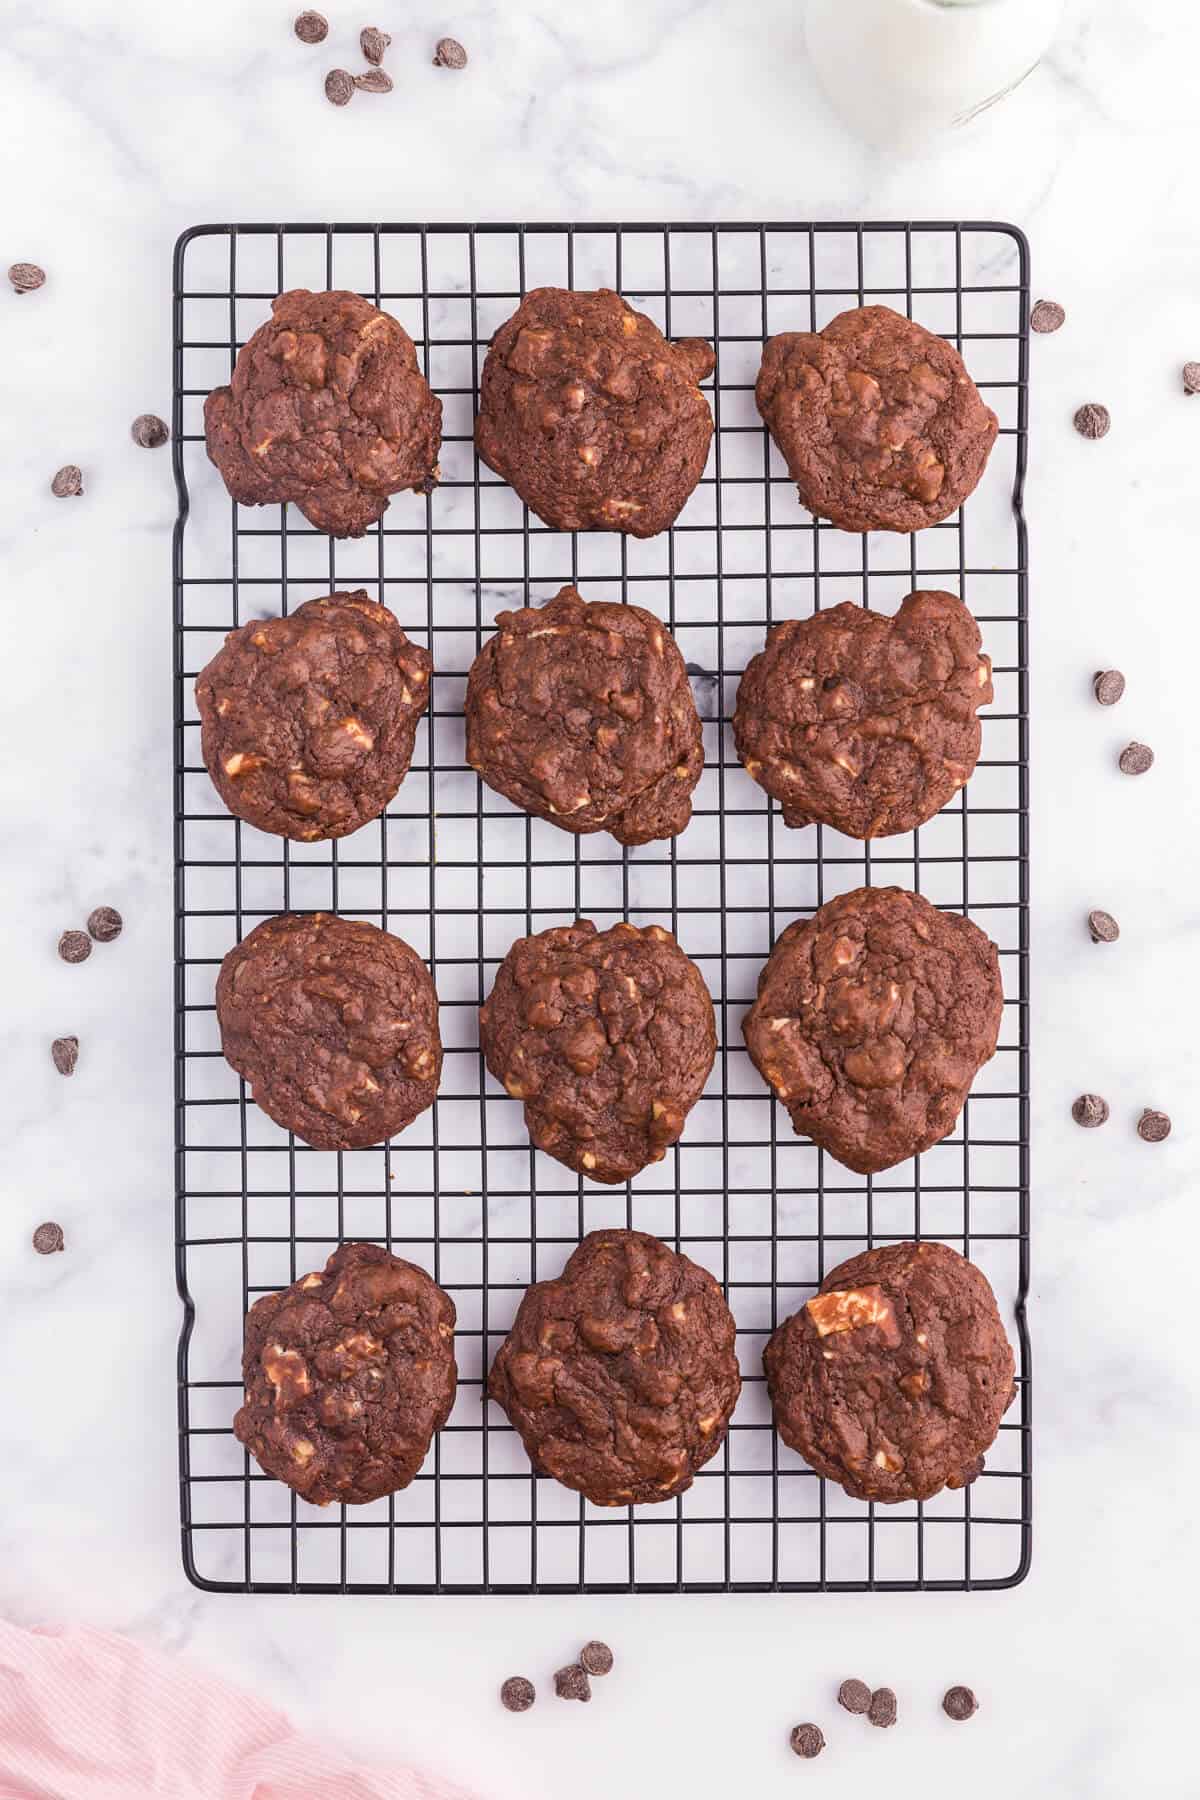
(621, 1375)
(880, 425)
(591, 415)
(607, 1036)
(348, 1375)
(893, 1378)
(328, 408)
(307, 722)
(871, 1021)
(863, 722)
(582, 713)
(334, 1024)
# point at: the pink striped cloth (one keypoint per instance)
(88, 1716)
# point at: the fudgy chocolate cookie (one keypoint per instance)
(893, 1379)
(334, 1024)
(307, 722)
(863, 722)
(582, 713)
(348, 1375)
(591, 415)
(328, 408)
(871, 1021)
(607, 1036)
(880, 425)
(621, 1376)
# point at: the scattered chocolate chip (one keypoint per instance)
(959, 1703)
(67, 483)
(48, 1238)
(807, 1740)
(311, 28)
(1191, 378)
(1103, 927)
(25, 277)
(572, 1683)
(1047, 315)
(373, 43)
(704, 690)
(449, 54)
(882, 1710)
(1089, 1110)
(65, 1054)
(855, 1696)
(375, 81)
(517, 1694)
(1153, 1127)
(149, 431)
(74, 946)
(1108, 685)
(1092, 420)
(105, 924)
(1135, 759)
(596, 1658)
(339, 87)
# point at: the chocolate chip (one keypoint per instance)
(959, 1703)
(1092, 420)
(596, 1658)
(807, 1740)
(373, 43)
(1047, 315)
(1135, 759)
(855, 1696)
(48, 1238)
(1103, 927)
(517, 1694)
(1191, 378)
(375, 81)
(449, 55)
(149, 431)
(65, 1054)
(74, 946)
(25, 277)
(1108, 685)
(704, 691)
(572, 1683)
(882, 1710)
(67, 483)
(105, 924)
(339, 87)
(1153, 1127)
(1089, 1110)
(311, 28)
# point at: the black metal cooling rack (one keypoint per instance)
(456, 871)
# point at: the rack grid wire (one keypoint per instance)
(459, 873)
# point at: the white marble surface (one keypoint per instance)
(120, 126)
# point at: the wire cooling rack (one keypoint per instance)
(459, 873)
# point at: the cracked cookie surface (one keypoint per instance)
(591, 415)
(581, 712)
(620, 1376)
(880, 425)
(348, 1374)
(863, 722)
(327, 408)
(334, 1024)
(872, 1019)
(893, 1378)
(608, 1038)
(308, 721)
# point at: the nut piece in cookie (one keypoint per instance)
(904, 1395)
(607, 1037)
(327, 407)
(621, 1375)
(334, 1024)
(864, 722)
(582, 713)
(591, 415)
(348, 1374)
(308, 722)
(871, 1021)
(880, 425)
